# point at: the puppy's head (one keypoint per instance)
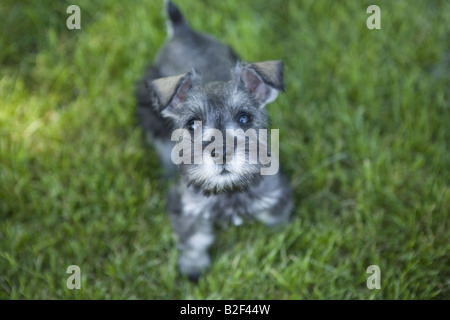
(218, 124)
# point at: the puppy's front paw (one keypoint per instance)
(193, 264)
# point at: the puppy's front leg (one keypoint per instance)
(194, 235)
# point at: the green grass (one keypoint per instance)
(364, 138)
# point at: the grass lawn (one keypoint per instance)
(364, 138)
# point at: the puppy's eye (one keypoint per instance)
(193, 124)
(244, 118)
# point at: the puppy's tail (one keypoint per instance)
(176, 21)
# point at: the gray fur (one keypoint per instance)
(196, 77)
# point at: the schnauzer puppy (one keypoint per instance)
(198, 94)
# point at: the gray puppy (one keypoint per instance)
(196, 84)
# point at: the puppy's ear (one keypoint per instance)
(169, 93)
(262, 79)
